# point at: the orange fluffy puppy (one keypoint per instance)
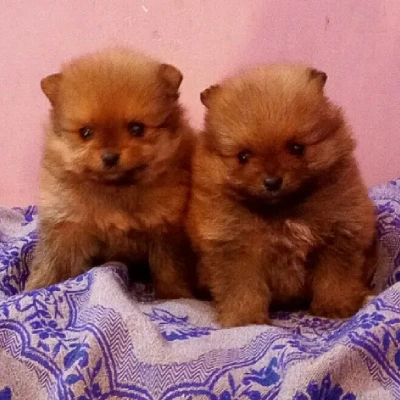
(279, 214)
(116, 171)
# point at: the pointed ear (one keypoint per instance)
(172, 78)
(320, 76)
(50, 86)
(207, 94)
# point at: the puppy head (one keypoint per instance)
(272, 131)
(114, 115)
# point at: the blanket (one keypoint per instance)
(96, 337)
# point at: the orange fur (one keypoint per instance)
(130, 211)
(304, 243)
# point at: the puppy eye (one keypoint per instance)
(136, 129)
(297, 149)
(86, 133)
(244, 156)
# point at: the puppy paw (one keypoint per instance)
(341, 300)
(235, 317)
(339, 308)
(368, 299)
(234, 321)
(32, 284)
(332, 312)
(38, 281)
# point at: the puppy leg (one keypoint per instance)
(339, 290)
(171, 265)
(238, 286)
(62, 252)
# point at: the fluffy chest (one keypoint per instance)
(126, 208)
(287, 239)
(285, 248)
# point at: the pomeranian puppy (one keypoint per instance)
(115, 176)
(279, 214)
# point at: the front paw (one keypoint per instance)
(340, 307)
(332, 312)
(239, 314)
(232, 320)
(37, 280)
(33, 283)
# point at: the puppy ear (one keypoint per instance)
(172, 78)
(50, 86)
(207, 94)
(320, 76)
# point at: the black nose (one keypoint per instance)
(110, 159)
(273, 184)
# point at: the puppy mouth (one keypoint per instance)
(265, 203)
(260, 195)
(273, 198)
(281, 198)
(117, 177)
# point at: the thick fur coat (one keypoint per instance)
(279, 214)
(115, 176)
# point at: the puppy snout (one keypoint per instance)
(110, 159)
(273, 184)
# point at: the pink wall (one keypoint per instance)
(356, 42)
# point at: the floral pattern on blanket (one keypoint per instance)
(94, 337)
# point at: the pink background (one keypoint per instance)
(356, 42)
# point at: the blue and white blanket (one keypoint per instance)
(94, 338)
